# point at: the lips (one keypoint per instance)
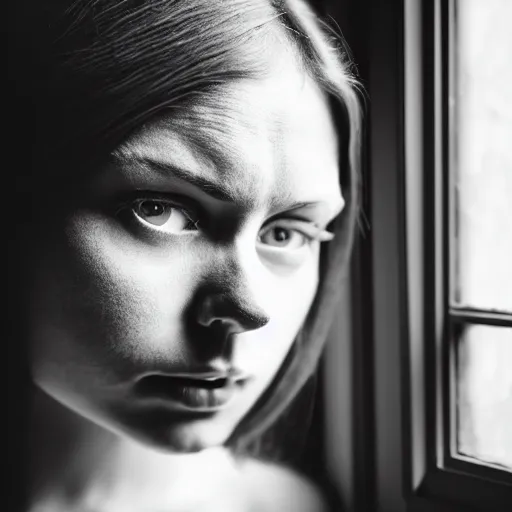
(194, 391)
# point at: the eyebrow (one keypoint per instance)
(214, 190)
(165, 169)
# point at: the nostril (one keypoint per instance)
(219, 326)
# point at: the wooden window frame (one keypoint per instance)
(453, 479)
(399, 311)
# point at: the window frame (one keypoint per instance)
(457, 317)
(485, 487)
(402, 54)
(437, 476)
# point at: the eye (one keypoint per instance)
(163, 216)
(283, 237)
(292, 234)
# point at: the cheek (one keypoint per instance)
(288, 304)
(109, 307)
(101, 298)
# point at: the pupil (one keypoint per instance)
(281, 234)
(152, 208)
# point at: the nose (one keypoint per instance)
(232, 294)
(231, 313)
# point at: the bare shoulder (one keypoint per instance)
(276, 488)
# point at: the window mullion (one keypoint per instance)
(477, 316)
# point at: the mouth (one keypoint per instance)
(197, 392)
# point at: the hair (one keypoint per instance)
(84, 74)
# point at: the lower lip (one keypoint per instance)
(190, 396)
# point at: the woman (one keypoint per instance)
(192, 210)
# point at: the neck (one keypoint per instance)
(78, 465)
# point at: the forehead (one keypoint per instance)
(268, 141)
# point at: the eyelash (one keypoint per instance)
(289, 224)
(128, 203)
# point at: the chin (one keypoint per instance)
(160, 429)
(190, 436)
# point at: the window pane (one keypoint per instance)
(482, 155)
(485, 394)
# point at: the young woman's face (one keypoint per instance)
(168, 296)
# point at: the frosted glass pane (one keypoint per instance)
(482, 151)
(485, 394)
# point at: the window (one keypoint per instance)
(480, 167)
(471, 210)
(430, 354)
(458, 410)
